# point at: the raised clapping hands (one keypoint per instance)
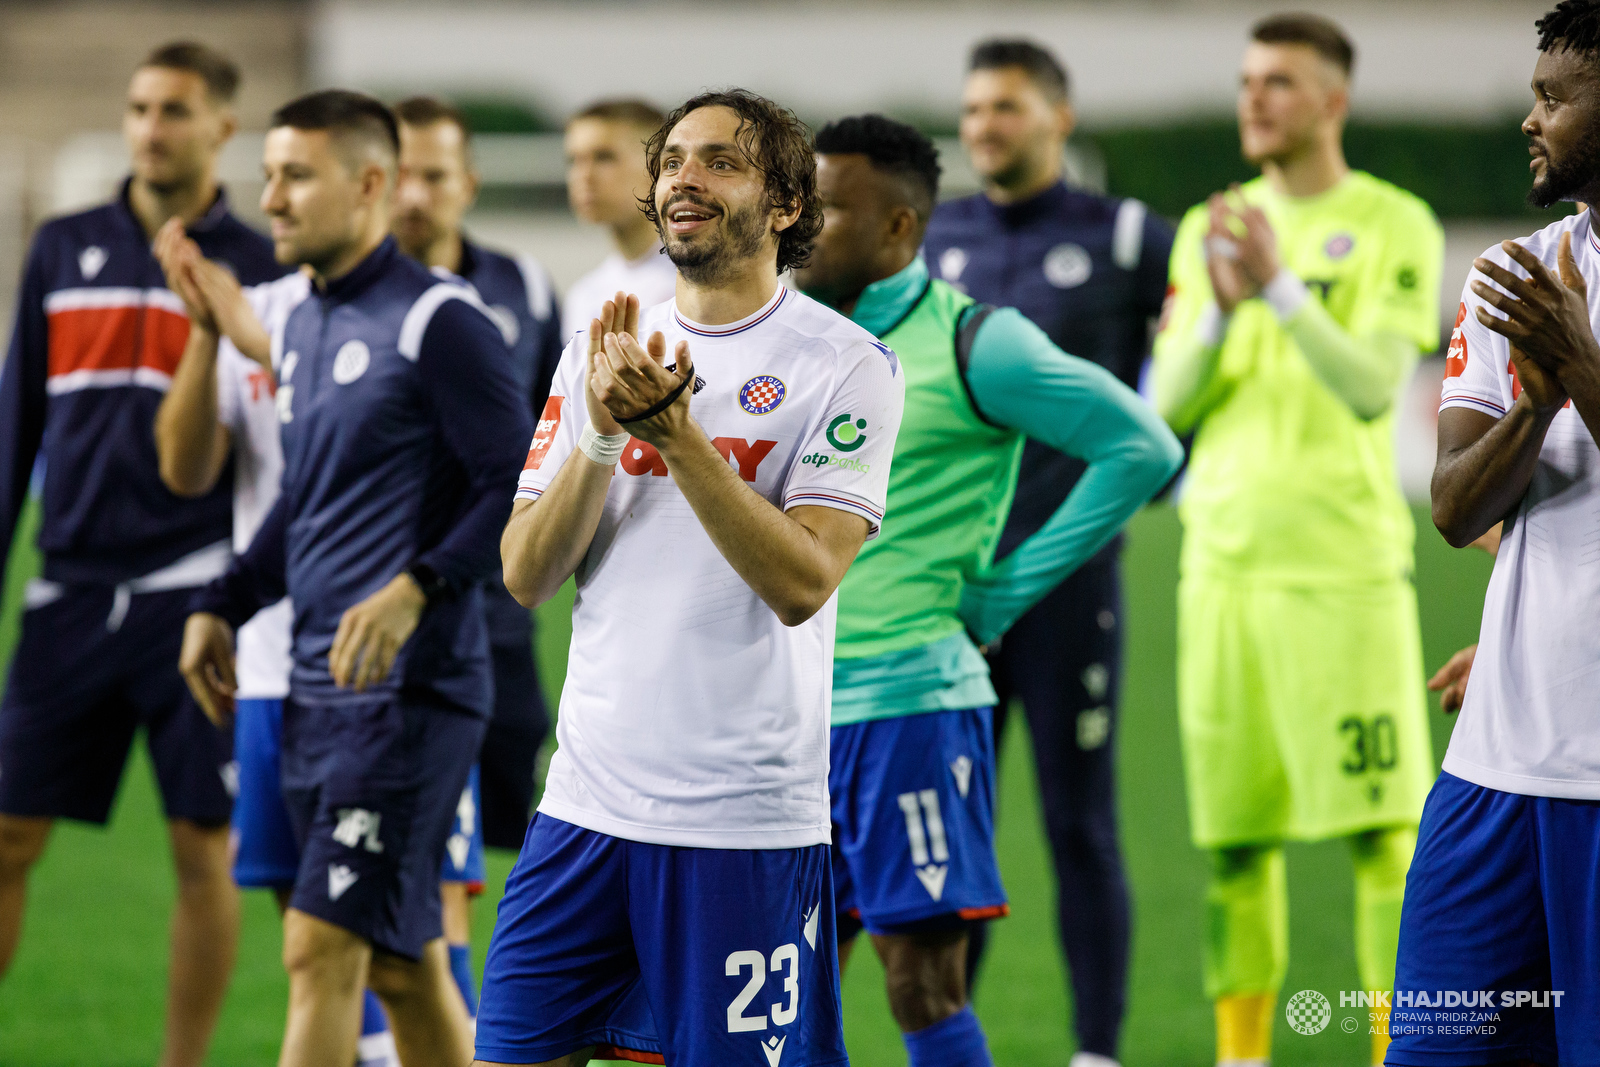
(627, 380)
(211, 294)
(1547, 319)
(1241, 249)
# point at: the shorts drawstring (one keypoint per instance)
(120, 601)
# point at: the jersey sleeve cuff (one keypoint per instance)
(832, 498)
(528, 488)
(1286, 294)
(1475, 403)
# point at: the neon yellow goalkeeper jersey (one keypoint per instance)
(1286, 483)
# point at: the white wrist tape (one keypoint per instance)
(1286, 294)
(604, 449)
(1213, 326)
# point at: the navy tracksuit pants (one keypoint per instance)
(1063, 662)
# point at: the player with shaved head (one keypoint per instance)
(706, 470)
(912, 768)
(438, 186)
(402, 429)
(1500, 899)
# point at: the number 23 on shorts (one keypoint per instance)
(785, 960)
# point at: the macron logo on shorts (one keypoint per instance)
(340, 878)
(358, 827)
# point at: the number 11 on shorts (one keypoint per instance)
(924, 827)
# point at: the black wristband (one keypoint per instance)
(661, 405)
(430, 581)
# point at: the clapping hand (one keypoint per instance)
(1241, 249)
(1546, 318)
(631, 382)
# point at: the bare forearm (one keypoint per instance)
(546, 539)
(190, 443)
(1476, 485)
(781, 559)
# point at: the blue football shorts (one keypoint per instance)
(1500, 932)
(913, 822)
(656, 954)
(266, 855)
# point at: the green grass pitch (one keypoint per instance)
(88, 982)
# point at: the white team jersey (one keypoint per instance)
(651, 277)
(246, 406)
(1530, 722)
(691, 715)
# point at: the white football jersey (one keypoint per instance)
(651, 277)
(1531, 718)
(246, 406)
(691, 715)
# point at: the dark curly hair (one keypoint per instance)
(1572, 24)
(777, 144)
(893, 148)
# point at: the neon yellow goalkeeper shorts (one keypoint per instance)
(1302, 710)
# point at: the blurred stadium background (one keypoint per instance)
(1441, 86)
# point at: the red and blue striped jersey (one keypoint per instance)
(97, 338)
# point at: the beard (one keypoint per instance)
(714, 258)
(1563, 178)
(416, 234)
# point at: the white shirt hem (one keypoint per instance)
(743, 837)
(1522, 784)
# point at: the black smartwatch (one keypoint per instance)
(430, 581)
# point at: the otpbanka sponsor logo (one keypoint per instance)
(828, 459)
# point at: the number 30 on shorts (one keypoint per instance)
(1373, 743)
(785, 960)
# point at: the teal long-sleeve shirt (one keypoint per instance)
(1021, 380)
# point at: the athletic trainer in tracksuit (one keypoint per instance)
(519, 296)
(98, 336)
(1091, 271)
(404, 431)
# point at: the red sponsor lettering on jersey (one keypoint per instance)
(549, 423)
(747, 454)
(260, 383)
(1455, 358)
(640, 457)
